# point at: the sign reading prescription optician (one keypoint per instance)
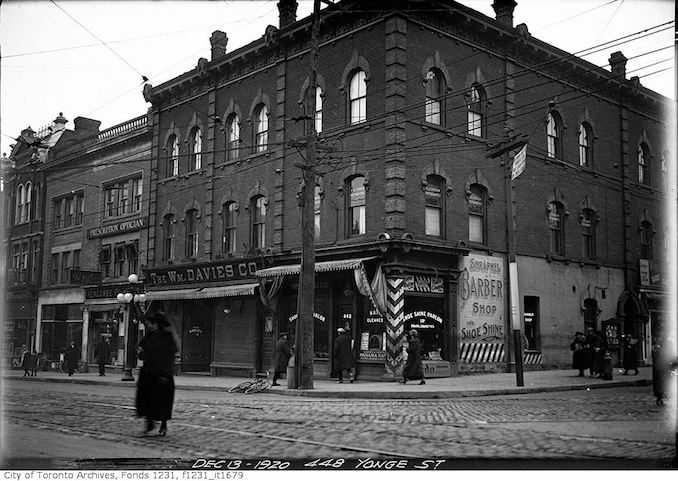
(482, 301)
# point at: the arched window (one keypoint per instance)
(316, 210)
(585, 147)
(553, 127)
(357, 98)
(192, 233)
(169, 234)
(318, 118)
(435, 88)
(556, 213)
(588, 233)
(228, 238)
(233, 137)
(477, 214)
(643, 164)
(20, 199)
(355, 206)
(261, 128)
(646, 238)
(172, 156)
(476, 111)
(258, 221)
(434, 199)
(196, 149)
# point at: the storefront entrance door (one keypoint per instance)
(196, 337)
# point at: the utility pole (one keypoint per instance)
(305, 303)
(502, 150)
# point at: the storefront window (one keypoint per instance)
(372, 336)
(61, 324)
(425, 315)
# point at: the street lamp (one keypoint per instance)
(135, 298)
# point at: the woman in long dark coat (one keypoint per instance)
(155, 388)
(630, 354)
(414, 369)
(343, 355)
(71, 358)
(281, 357)
(580, 360)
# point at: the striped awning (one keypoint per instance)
(325, 266)
(202, 293)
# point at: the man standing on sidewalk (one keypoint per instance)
(102, 353)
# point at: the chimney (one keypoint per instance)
(288, 12)
(218, 40)
(504, 11)
(59, 123)
(618, 65)
(85, 126)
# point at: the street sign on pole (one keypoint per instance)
(519, 162)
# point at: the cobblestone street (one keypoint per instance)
(609, 424)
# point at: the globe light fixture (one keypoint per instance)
(131, 300)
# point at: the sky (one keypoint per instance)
(88, 58)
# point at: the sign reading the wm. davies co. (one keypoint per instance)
(203, 273)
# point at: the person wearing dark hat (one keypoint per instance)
(281, 357)
(155, 387)
(414, 368)
(102, 353)
(579, 355)
(343, 355)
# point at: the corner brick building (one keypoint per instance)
(411, 211)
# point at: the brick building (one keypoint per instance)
(411, 218)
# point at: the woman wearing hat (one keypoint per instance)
(155, 388)
(414, 369)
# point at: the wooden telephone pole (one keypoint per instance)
(304, 352)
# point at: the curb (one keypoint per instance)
(367, 394)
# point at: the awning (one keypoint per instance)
(202, 293)
(325, 266)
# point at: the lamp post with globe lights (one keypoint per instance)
(135, 298)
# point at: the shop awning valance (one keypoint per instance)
(202, 293)
(325, 266)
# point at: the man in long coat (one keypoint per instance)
(343, 355)
(71, 358)
(103, 354)
(281, 357)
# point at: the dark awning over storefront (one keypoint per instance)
(202, 293)
(325, 266)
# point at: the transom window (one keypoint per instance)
(357, 97)
(356, 206)
(435, 205)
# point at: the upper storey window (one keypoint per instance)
(195, 141)
(258, 222)
(556, 215)
(261, 128)
(585, 150)
(435, 87)
(553, 138)
(123, 197)
(435, 205)
(357, 98)
(172, 156)
(477, 213)
(643, 164)
(233, 137)
(23, 203)
(318, 118)
(356, 206)
(646, 239)
(476, 111)
(192, 238)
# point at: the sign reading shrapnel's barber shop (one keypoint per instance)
(129, 225)
(201, 273)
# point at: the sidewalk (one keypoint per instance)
(451, 387)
